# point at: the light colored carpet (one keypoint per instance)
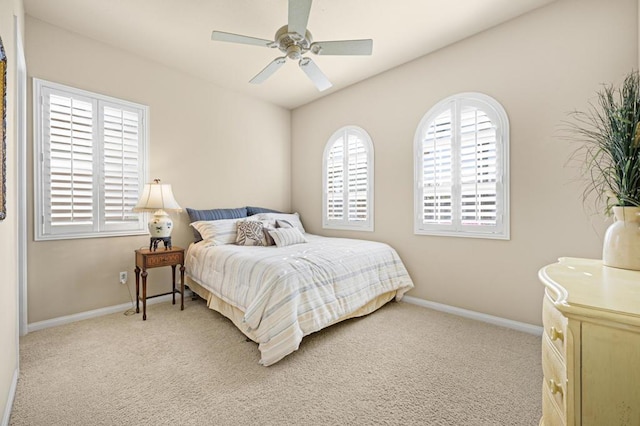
(401, 365)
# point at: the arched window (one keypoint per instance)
(461, 150)
(348, 180)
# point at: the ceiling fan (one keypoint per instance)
(294, 40)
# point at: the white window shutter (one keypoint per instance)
(437, 178)
(335, 181)
(69, 161)
(92, 163)
(478, 171)
(348, 180)
(121, 165)
(461, 169)
(357, 163)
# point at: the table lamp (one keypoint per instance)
(157, 198)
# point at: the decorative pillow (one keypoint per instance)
(284, 224)
(255, 210)
(287, 236)
(218, 232)
(268, 239)
(250, 233)
(293, 219)
(213, 214)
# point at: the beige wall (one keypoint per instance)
(539, 66)
(9, 226)
(217, 149)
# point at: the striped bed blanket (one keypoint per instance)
(289, 292)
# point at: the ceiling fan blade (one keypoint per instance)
(269, 70)
(343, 47)
(313, 72)
(299, 16)
(236, 38)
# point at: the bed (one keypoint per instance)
(277, 294)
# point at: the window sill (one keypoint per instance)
(53, 237)
(463, 234)
(348, 227)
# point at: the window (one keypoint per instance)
(90, 162)
(461, 150)
(348, 180)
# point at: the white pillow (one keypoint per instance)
(293, 218)
(218, 232)
(287, 236)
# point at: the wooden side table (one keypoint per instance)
(146, 259)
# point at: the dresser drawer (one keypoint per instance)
(148, 259)
(164, 259)
(555, 374)
(551, 414)
(555, 325)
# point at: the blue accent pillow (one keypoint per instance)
(255, 210)
(214, 214)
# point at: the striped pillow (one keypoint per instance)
(287, 236)
(217, 232)
(213, 214)
(268, 239)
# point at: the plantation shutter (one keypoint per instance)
(335, 181)
(92, 154)
(348, 174)
(70, 158)
(358, 178)
(121, 165)
(478, 168)
(461, 165)
(437, 178)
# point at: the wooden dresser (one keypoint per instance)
(590, 344)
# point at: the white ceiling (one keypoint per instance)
(177, 33)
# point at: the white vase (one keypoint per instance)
(621, 247)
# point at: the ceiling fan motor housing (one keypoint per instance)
(292, 44)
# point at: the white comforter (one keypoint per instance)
(289, 292)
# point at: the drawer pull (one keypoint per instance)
(556, 334)
(555, 387)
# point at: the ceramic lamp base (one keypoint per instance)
(160, 225)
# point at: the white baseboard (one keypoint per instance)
(478, 316)
(94, 313)
(10, 398)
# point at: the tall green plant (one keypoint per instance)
(610, 153)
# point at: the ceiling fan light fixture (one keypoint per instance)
(294, 52)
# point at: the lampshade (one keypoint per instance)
(156, 196)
